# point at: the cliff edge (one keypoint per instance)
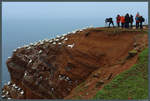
(52, 68)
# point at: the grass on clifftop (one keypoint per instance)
(131, 84)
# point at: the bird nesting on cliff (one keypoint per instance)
(9, 98)
(7, 93)
(14, 85)
(40, 51)
(30, 61)
(70, 46)
(59, 43)
(54, 43)
(22, 92)
(64, 34)
(19, 89)
(66, 39)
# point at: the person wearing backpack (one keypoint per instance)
(141, 20)
(131, 21)
(127, 18)
(118, 18)
(137, 20)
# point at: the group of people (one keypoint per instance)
(127, 21)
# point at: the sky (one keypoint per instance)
(73, 10)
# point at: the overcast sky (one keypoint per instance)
(49, 10)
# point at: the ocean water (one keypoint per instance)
(18, 32)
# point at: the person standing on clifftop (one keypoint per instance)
(118, 18)
(137, 20)
(110, 21)
(122, 21)
(131, 21)
(127, 18)
(141, 20)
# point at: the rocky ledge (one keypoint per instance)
(51, 68)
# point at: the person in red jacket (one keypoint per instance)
(137, 20)
(118, 18)
(122, 21)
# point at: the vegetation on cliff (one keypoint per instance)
(131, 84)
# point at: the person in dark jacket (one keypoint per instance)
(110, 21)
(118, 18)
(131, 21)
(127, 19)
(141, 20)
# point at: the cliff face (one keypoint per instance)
(51, 68)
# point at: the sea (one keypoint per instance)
(20, 32)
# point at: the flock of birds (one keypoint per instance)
(13, 86)
(54, 41)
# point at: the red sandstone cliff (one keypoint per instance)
(51, 68)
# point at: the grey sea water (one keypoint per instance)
(18, 32)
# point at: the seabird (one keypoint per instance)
(56, 39)
(71, 46)
(8, 83)
(52, 89)
(14, 85)
(62, 37)
(59, 43)
(3, 96)
(19, 88)
(67, 78)
(9, 98)
(30, 61)
(21, 92)
(40, 51)
(7, 93)
(66, 39)
(64, 34)
(54, 43)
(25, 74)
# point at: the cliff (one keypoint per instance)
(52, 68)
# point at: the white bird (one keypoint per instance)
(29, 48)
(25, 74)
(30, 61)
(14, 85)
(40, 51)
(67, 78)
(59, 43)
(70, 46)
(3, 96)
(8, 83)
(7, 93)
(52, 89)
(19, 88)
(9, 98)
(21, 92)
(56, 39)
(9, 57)
(54, 43)
(51, 41)
(64, 34)
(62, 37)
(66, 39)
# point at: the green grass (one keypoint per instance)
(131, 84)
